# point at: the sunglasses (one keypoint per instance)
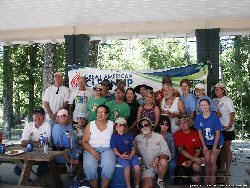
(140, 126)
(97, 89)
(165, 123)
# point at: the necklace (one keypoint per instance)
(168, 106)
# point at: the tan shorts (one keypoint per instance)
(148, 172)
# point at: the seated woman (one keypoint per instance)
(210, 133)
(96, 142)
(169, 137)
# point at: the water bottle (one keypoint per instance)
(41, 140)
(46, 145)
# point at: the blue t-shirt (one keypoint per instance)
(60, 137)
(190, 103)
(123, 143)
(212, 104)
(209, 127)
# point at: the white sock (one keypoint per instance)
(159, 180)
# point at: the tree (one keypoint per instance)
(93, 53)
(7, 91)
(235, 65)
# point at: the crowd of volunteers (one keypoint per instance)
(162, 136)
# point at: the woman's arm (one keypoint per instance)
(139, 114)
(85, 143)
(157, 116)
(216, 140)
(202, 141)
(181, 107)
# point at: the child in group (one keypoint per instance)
(78, 133)
(122, 144)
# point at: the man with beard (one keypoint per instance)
(154, 152)
(117, 107)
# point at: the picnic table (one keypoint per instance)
(32, 158)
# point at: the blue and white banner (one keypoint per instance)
(195, 73)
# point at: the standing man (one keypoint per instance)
(189, 147)
(117, 107)
(31, 134)
(56, 97)
(106, 87)
(154, 152)
(79, 98)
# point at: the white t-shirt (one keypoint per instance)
(30, 132)
(56, 97)
(80, 98)
(225, 106)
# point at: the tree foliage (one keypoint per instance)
(235, 65)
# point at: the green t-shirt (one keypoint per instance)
(92, 105)
(118, 110)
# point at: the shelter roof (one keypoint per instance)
(28, 21)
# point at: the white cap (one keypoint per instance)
(121, 121)
(82, 115)
(200, 86)
(222, 86)
(62, 112)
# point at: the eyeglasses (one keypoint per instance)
(140, 126)
(102, 113)
(97, 89)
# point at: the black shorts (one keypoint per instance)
(228, 135)
(210, 147)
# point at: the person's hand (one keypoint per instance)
(187, 163)
(53, 117)
(219, 114)
(226, 128)
(96, 155)
(125, 156)
(199, 160)
(155, 162)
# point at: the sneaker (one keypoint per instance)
(160, 184)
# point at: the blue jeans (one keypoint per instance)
(108, 162)
(171, 168)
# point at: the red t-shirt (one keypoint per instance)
(190, 142)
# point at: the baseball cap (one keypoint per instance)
(82, 115)
(62, 112)
(200, 86)
(142, 119)
(121, 121)
(58, 74)
(39, 110)
(222, 86)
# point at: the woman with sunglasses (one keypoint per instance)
(210, 133)
(94, 102)
(169, 137)
(96, 142)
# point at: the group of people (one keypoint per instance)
(159, 134)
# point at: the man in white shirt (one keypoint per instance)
(56, 97)
(31, 134)
(79, 98)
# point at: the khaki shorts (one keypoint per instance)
(148, 172)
